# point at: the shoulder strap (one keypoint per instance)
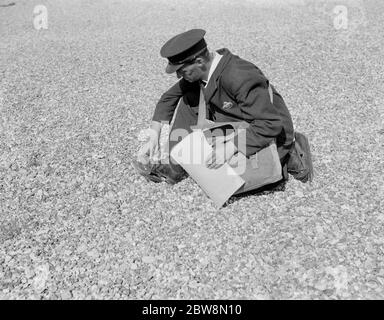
(270, 92)
(202, 115)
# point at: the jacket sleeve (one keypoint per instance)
(167, 104)
(250, 90)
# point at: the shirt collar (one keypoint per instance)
(215, 62)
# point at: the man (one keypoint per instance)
(233, 89)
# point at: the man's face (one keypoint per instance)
(191, 72)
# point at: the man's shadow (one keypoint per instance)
(278, 186)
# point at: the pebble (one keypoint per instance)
(41, 278)
(66, 295)
(149, 259)
(81, 248)
(93, 254)
(29, 273)
(134, 266)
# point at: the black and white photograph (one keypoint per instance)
(202, 150)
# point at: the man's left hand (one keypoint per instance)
(221, 153)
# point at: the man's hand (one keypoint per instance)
(221, 153)
(151, 148)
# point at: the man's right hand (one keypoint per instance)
(150, 149)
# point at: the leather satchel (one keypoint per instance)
(257, 170)
(260, 169)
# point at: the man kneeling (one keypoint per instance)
(216, 87)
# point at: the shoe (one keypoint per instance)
(300, 159)
(157, 172)
(146, 171)
(171, 174)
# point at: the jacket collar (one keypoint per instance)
(212, 84)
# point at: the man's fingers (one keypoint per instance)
(153, 150)
(143, 151)
(156, 149)
(210, 160)
(214, 163)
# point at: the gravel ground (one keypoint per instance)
(78, 223)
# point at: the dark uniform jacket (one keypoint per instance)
(236, 91)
